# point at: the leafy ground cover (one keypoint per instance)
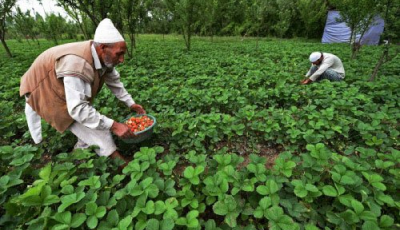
(239, 144)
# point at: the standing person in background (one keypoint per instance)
(324, 66)
(62, 82)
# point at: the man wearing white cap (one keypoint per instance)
(62, 82)
(324, 66)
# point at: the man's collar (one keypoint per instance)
(97, 63)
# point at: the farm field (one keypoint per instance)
(239, 143)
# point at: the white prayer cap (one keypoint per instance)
(315, 56)
(107, 33)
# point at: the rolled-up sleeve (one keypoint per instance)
(114, 83)
(77, 94)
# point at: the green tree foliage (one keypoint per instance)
(187, 14)
(160, 19)
(81, 19)
(286, 11)
(233, 14)
(208, 26)
(25, 25)
(52, 27)
(96, 10)
(358, 16)
(313, 14)
(391, 13)
(133, 13)
(5, 11)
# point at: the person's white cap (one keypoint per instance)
(107, 33)
(315, 56)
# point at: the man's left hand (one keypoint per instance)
(138, 109)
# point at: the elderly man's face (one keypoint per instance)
(114, 54)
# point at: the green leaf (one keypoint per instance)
(152, 190)
(300, 191)
(167, 224)
(153, 224)
(22, 160)
(274, 213)
(347, 180)
(198, 170)
(220, 208)
(149, 209)
(45, 172)
(140, 224)
(181, 221)
(386, 221)
(349, 216)
(189, 172)
(230, 219)
(93, 182)
(68, 200)
(379, 186)
(49, 200)
(369, 225)
(113, 217)
(92, 222)
(124, 223)
(368, 215)
(101, 211)
(146, 182)
(329, 190)
(91, 209)
(77, 220)
(192, 214)
(258, 213)
(63, 217)
(262, 190)
(311, 188)
(171, 214)
(357, 206)
(159, 207)
(193, 223)
(265, 203)
(68, 189)
(272, 186)
(311, 227)
(133, 166)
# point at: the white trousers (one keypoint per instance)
(86, 137)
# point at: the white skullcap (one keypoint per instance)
(107, 33)
(315, 56)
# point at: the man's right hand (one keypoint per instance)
(121, 130)
(306, 81)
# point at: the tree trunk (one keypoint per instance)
(355, 48)
(186, 40)
(378, 65)
(3, 41)
(36, 40)
(133, 44)
(384, 58)
(189, 37)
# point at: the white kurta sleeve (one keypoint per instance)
(113, 82)
(77, 94)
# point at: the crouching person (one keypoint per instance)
(62, 82)
(324, 66)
